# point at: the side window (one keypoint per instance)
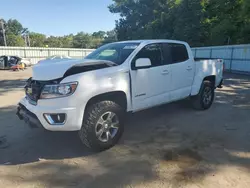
(179, 52)
(153, 52)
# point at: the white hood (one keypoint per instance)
(50, 70)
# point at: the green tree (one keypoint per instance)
(187, 21)
(67, 41)
(224, 21)
(99, 34)
(199, 22)
(141, 19)
(1, 31)
(13, 33)
(37, 39)
(134, 18)
(243, 35)
(54, 42)
(15, 27)
(82, 40)
(110, 36)
(14, 40)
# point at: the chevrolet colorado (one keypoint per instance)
(91, 95)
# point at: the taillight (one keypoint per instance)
(223, 64)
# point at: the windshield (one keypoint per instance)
(115, 52)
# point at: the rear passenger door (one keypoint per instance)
(182, 68)
(151, 86)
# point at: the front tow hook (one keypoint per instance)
(18, 114)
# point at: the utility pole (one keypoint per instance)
(3, 30)
(29, 39)
(25, 40)
(228, 40)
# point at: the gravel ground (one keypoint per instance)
(168, 146)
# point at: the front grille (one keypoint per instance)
(33, 89)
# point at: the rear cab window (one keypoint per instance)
(175, 53)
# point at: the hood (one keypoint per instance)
(51, 70)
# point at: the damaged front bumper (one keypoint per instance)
(31, 119)
(45, 112)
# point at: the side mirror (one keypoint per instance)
(142, 63)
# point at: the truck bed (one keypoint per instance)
(209, 67)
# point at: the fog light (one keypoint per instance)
(55, 119)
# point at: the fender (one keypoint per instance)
(203, 69)
(94, 83)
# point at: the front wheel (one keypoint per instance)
(205, 98)
(102, 125)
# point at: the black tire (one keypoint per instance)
(88, 133)
(198, 101)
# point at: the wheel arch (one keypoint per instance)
(116, 96)
(210, 78)
(198, 83)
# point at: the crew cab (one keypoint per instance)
(93, 94)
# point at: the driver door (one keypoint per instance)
(151, 85)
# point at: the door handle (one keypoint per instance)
(189, 68)
(165, 72)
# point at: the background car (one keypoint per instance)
(7, 62)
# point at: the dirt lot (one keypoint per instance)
(169, 146)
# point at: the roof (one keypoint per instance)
(146, 41)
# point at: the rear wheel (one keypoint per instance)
(205, 98)
(102, 125)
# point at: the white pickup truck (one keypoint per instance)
(91, 95)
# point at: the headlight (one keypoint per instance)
(58, 90)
